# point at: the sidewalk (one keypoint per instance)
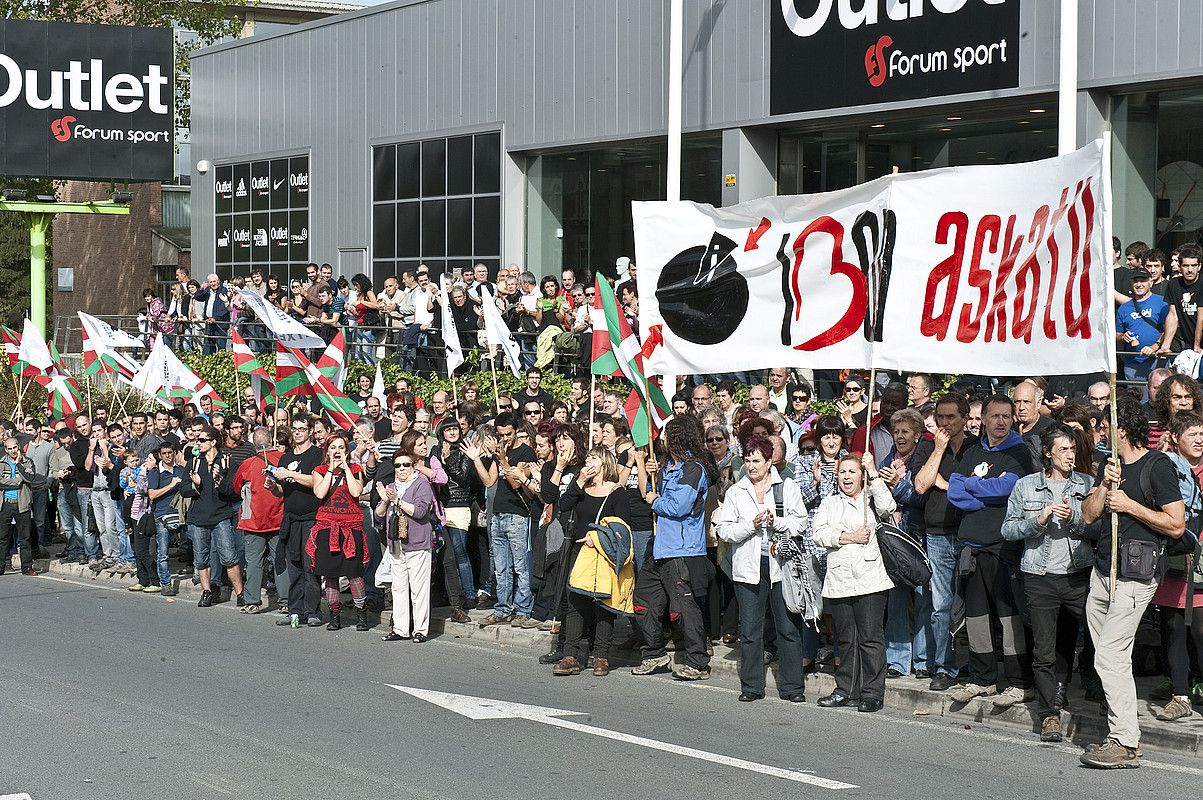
(1082, 721)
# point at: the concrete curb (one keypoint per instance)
(1082, 723)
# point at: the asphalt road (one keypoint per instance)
(106, 694)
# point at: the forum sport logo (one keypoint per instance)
(67, 127)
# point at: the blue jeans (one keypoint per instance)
(374, 555)
(639, 540)
(125, 550)
(69, 514)
(218, 539)
(942, 552)
(509, 543)
(458, 539)
(89, 539)
(162, 542)
(366, 352)
(906, 649)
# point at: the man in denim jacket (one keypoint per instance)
(1045, 512)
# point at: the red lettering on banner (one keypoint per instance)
(1078, 324)
(1050, 327)
(947, 271)
(1007, 270)
(970, 321)
(996, 317)
(1027, 281)
(855, 314)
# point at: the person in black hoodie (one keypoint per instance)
(988, 564)
(209, 523)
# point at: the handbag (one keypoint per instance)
(903, 555)
(384, 572)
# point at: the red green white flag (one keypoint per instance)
(616, 351)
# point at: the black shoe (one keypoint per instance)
(168, 590)
(796, 697)
(550, 658)
(893, 673)
(241, 601)
(1059, 696)
(206, 599)
(361, 620)
(941, 682)
(315, 622)
(868, 706)
(1094, 690)
(748, 697)
(420, 637)
(393, 636)
(922, 674)
(375, 606)
(836, 700)
(336, 622)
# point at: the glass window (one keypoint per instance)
(488, 163)
(486, 238)
(459, 165)
(384, 230)
(434, 168)
(409, 170)
(459, 226)
(384, 173)
(434, 227)
(409, 230)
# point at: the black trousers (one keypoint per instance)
(588, 628)
(754, 600)
(451, 580)
(668, 584)
(14, 523)
(859, 624)
(1048, 596)
(1178, 639)
(304, 588)
(140, 535)
(989, 590)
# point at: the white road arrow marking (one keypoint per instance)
(484, 708)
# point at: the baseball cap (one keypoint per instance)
(1140, 273)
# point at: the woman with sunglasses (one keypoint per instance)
(337, 546)
(800, 417)
(588, 625)
(852, 408)
(405, 507)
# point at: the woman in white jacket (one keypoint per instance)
(749, 521)
(856, 585)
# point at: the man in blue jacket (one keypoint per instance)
(215, 302)
(988, 564)
(678, 571)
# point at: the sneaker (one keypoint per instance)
(652, 666)
(519, 621)
(547, 624)
(1112, 755)
(965, 693)
(154, 588)
(1013, 695)
(1050, 729)
(459, 615)
(530, 624)
(688, 673)
(137, 587)
(169, 591)
(1060, 701)
(1176, 709)
(494, 619)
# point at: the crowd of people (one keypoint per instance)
(400, 320)
(754, 520)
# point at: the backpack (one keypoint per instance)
(903, 556)
(1188, 543)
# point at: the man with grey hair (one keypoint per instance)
(1156, 378)
(214, 300)
(1099, 394)
(17, 477)
(259, 516)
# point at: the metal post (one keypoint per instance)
(39, 224)
(1067, 79)
(676, 17)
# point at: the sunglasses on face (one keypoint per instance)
(533, 412)
(205, 439)
(801, 398)
(715, 439)
(808, 450)
(852, 389)
(403, 464)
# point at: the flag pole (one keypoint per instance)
(454, 393)
(1114, 516)
(869, 430)
(493, 369)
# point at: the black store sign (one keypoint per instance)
(839, 53)
(86, 101)
(262, 213)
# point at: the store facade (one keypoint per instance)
(452, 132)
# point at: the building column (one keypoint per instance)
(513, 208)
(750, 156)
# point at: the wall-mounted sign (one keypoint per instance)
(838, 53)
(262, 213)
(86, 101)
(729, 180)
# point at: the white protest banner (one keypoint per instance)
(998, 269)
(287, 330)
(498, 334)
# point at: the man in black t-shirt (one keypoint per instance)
(510, 528)
(1182, 293)
(534, 391)
(294, 479)
(1142, 488)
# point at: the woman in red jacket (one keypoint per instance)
(337, 547)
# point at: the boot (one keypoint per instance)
(361, 620)
(335, 621)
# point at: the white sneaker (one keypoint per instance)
(968, 691)
(1013, 695)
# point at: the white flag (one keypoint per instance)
(102, 332)
(287, 330)
(163, 370)
(455, 352)
(497, 332)
(34, 351)
(378, 387)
